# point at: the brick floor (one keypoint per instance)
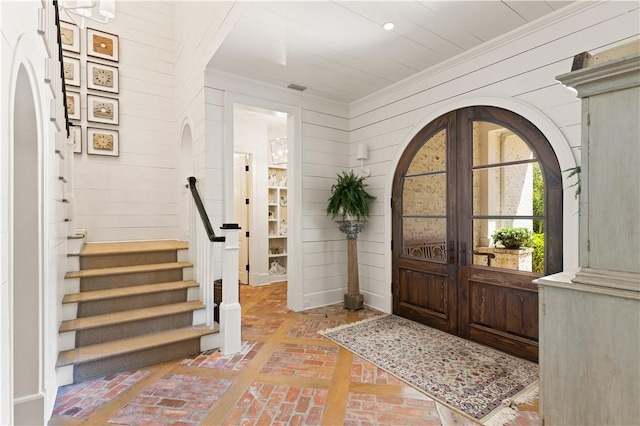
(82, 399)
(309, 328)
(364, 372)
(315, 362)
(365, 409)
(215, 359)
(260, 326)
(279, 405)
(189, 395)
(173, 398)
(272, 306)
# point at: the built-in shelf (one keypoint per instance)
(277, 220)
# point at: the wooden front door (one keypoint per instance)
(464, 176)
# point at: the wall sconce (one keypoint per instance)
(79, 10)
(362, 153)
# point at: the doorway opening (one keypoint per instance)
(261, 196)
(465, 181)
(26, 258)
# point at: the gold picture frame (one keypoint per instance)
(69, 37)
(71, 70)
(103, 77)
(101, 109)
(102, 45)
(103, 142)
(73, 105)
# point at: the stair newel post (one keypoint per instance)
(207, 280)
(230, 310)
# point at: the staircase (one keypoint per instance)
(129, 305)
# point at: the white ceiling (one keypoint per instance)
(340, 50)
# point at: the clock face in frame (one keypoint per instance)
(102, 77)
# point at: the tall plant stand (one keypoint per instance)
(353, 300)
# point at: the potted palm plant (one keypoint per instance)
(350, 201)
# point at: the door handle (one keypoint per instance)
(463, 253)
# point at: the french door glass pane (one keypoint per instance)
(508, 190)
(493, 144)
(425, 238)
(431, 157)
(425, 195)
(529, 257)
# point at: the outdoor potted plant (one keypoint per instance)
(350, 201)
(512, 238)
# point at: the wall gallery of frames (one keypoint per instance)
(100, 53)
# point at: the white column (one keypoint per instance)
(230, 310)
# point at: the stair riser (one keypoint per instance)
(126, 280)
(97, 335)
(114, 260)
(67, 340)
(100, 307)
(73, 262)
(129, 361)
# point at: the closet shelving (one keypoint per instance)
(277, 219)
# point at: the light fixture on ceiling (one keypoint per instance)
(388, 26)
(362, 153)
(94, 10)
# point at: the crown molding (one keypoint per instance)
(480, 50)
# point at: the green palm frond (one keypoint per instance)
(575, 171)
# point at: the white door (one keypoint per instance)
(241, 198)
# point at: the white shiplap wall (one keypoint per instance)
(134, 196)
(517, 72)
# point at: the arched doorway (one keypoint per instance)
(25, 259)
(465, 175)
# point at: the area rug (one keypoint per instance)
(479, 382)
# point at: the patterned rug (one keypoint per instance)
(482, 383)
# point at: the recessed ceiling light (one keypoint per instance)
(388, 26)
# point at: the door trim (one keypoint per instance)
(429, 293)
(554, 135)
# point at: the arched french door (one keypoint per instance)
(464, 176)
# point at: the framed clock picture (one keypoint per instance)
(103, 142)
(102, 77)
(70, 37)
(71, 69)
(73, 105)
(102, 45)
(102, 110)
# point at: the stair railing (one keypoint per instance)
(205, 271)
(65, 149)
(60, 59)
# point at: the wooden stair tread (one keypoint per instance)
(138, 290)
(123, 346)
(87, 273)
(129, 247)
(129, 316)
